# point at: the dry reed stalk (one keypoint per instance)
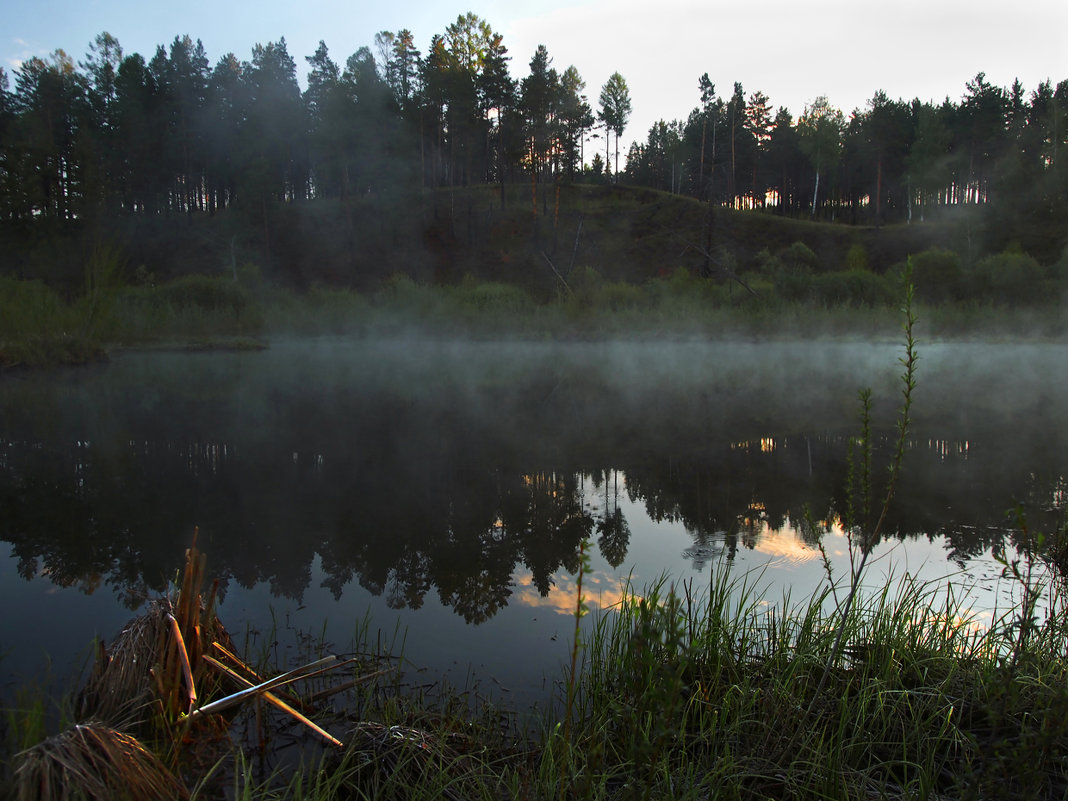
(329, 691)
(183, 656)
(120, 685)
(182, 642)
(304, 705)
(316, 668)
(156, 656)
(250, 673)
(94, 762)
(276, 701)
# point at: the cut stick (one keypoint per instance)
(321, 694)
(306, 671)
(243, 665)
(274, 699)
(183, 657)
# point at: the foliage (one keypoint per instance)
(168, 135)
(857, 257)
(798, 254)
(1007, 278)
(938, 276)
(615, 108)
(853, 288)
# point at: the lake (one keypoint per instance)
(438, 491)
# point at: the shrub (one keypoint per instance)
(620, 296)
(793, 284)
(767, 263)
(321, 310)
(857, 257)
(1008, 278)
(586, 284)
(853, 288)
(937, 275)
(401, 293)
(1060, 267)
(201, 292)
(30, 307)
(799, 255)
(682, 286)
(494, 297)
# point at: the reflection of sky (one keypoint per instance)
(780, 564)
(48, 630)
(516, 654)
(525, 641)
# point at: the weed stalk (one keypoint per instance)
(868, 538)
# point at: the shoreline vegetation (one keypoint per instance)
(604, 262)
(38, 327)
(673, 693)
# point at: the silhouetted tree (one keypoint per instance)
(615, 108)
(820, 139)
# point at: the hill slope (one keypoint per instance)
(512, 234)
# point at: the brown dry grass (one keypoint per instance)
(94, 762)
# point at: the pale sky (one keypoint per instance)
(792, 51)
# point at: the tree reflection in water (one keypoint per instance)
(410, 480)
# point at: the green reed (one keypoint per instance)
(720, 690)
(730, 695)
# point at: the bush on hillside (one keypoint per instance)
(937, 276)
(200, 292)
(853, 288)
(799, 255)
(586, 284)
(857, 257)
(1007, 278)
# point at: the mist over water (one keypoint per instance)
(443, 487)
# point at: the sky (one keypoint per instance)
(791, 51)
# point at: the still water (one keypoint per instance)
(440, 490)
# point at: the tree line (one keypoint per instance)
(893, 161)
(119, 134)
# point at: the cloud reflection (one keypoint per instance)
(601, 592)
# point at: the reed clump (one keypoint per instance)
(94, 761)
(149, 717)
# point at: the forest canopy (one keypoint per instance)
(120, 134)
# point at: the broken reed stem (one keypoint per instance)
(275, 700)
(183, 658)
(308, 671)
(329, 691)
(249, 671)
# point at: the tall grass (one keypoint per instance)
(720, 694)
(714, 691)
(38, 326)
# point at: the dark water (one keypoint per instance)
(442, 490)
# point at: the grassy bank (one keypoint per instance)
(581, 261)
(38, 326)
(680, 693)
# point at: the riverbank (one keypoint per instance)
(38, 328)
(673, 693)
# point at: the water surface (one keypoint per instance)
(441, 490)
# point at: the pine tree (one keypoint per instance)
(615, 108)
